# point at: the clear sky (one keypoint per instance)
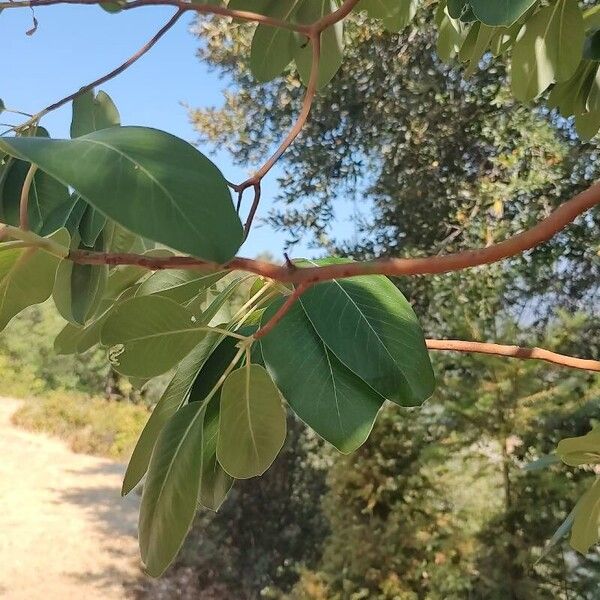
(76, 44)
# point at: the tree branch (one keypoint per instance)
(513, 246)
(184, 6)
(283, 310)
(311, 90)
(130, 61)
(515, 352)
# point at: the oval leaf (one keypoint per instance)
(372, 329)
(171, 490)
(328, 397)
(154, 184)
(500, 12)
(252, 424)
(148, 336)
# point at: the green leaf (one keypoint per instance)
(585, 532)
(591, 46)
(170, 402)
(582, 450)
(549, 50)
(571, 97)
(150, 182)
(215, 482)
(148, 336)
(79, 289)
(587, 125)
(252, 424)
(92, 113)
(405, 13)
(328, 397)
(26, 277)
(178, 285)
(273, 47)
(372, 329)
(172, 488)
(47, 196)
(74, 339)
(332, 43)
(91, 225)
(195, 370)
(451, 35)
(475, 45)
(500, 12)
(378, 9)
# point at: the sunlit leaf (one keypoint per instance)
(154, 184)
(252, 424)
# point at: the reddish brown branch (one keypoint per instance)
(517, 244)
(311, 90)
(253, 209)
(283, 310)
(515, 352)
(183, 5)
(334, 17)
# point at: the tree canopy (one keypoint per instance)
(134, 233)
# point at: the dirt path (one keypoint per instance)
(65, 532)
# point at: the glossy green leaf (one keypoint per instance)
(403, 16)
(273, 48)
(586, 524)
(327, 396)
(178, 285)
(154, 184)
(26, 277)
(195, 370)
(148, 336)
(91, 225)
(549, 50)
(591, 46)
(92, 113)
(582, 450)
(372, 329)
(170, 402)
(46, 196)
(332, 43)
(79, 289)
(500, 12)
(215, 482)
(172, 488)
(252, 423)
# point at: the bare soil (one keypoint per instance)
(65, 531)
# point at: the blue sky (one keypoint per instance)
(76, 44)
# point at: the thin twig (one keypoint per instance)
(183, 5)
(24, 204)
(513, 246)
(515, 352)
(311, 90)
(108, 76)
(253, 209)
(283, 310)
